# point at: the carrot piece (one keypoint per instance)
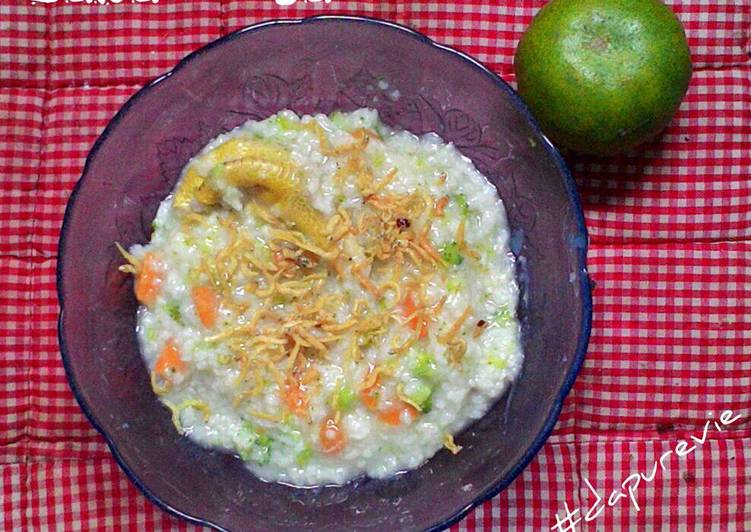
(369, 397)
(169, 361)
(332, 436)
(409, 309)
(207, 305)
(295, 398)
(440, 205)
(148, 280)
(393, 414)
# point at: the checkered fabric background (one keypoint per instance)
(670, 253)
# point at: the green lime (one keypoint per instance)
(603, 76)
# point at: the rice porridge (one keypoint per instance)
(327, 297)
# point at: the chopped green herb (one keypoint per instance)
(151, 334)
(257, 447)
(264, 441)
(379, 159)
(497, 362)
(461, 201)
(287, 124)
(304, 456)
(340, 198)
(503, 316)
(173, 309)
(451, 254)
(204, 245)
(454, 284)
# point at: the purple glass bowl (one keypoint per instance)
(317, 66)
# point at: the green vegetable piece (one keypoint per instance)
(262, 450)
(258, 447)
(424, 367)
(345, 398)
(204, 246)
(451, 254)
(264, 441)
(420, 394)
(217, 172)
(173, 309)
(379, 159)
(421, 163)
(503, 317)
(340, 198)
(461, 201)
(151, 334)
(454, 284)
(338, 120)
(287, 124)
(304, 456)
(497, 362)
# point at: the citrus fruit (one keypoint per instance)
(602, 76)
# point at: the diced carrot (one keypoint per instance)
(409, 309)
(148, 280)
(332, 436)
(169, 361)
(393, 414)
(440, 205)
(295, 398)
(207, 305)
(369, 397)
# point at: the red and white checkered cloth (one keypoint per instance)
(670, 254)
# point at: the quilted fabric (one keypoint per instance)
(670, 253)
